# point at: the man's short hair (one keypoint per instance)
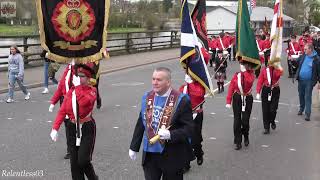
(166, 70)
(310, 46)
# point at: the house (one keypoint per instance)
(222, 15)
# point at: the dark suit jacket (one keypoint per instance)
(177, 151)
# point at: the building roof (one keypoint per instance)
(258, 14)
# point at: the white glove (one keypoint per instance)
(228, 106)
(188, 79)
(164, 134)
(242, 68)
(75, 80)
(132, 155)
(54, 135)
(46, 56)
(258, 96)
(51, 107)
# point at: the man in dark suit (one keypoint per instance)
(165, 114)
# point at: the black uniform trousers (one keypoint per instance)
(153, 169)
(81, 156)
(269, 108)
(241, 124)
(66, 121)
(197, 135)
(213, 56)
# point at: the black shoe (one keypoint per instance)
(273, 126)
(299, 113)
(67, 156)
(246, 141)
(266, 131)
(200, 160)
(237, 147)
(307, 118)
(186, 168)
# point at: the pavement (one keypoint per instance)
(291, 152)
(34, 75)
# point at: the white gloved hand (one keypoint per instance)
(164, 134)
(54, 135)
(242, 68)
(75, 80)
(132, 155)
(46, 55)
(51, 107)
(228, 106)
(258, 96)
(188, 79)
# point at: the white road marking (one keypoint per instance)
(292, 149)
(265, 146)
(276, 121)
(10, 118)
(29, 119)
(117, 105)
(212, 138)
(231, 115)
(134, 106)
(49, 121)
(298, 123)
(254, 118)
(115, 127)
(212, 113)
(128, 84)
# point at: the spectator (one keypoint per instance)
(16, 73)
(46, 74)
(307, 76)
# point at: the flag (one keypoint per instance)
(246, 44)
(198, 17)
(191, 57)
(276, 35)
(252, 5)
(73, 29)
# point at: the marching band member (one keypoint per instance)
(78, 105)
(64, 85)
(268, 81)
(239, 93)
(293, 52)
(220, 71)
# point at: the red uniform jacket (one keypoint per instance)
(206, 55)
(248, 78)
(232, 40)
(296, 46)
(266, 44)
(213, 44)
(275, 75)
(86, 97)
(196, 93)
(225, 42)
(301, 44)
(260, 45)
(61, 90)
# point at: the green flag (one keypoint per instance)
(246, 45)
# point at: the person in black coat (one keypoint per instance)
(165, 114)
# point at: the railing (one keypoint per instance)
(117, 43)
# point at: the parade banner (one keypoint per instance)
(191, 57)
(276, 35)
(246, 44)
(73, 29)
(199, 16)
